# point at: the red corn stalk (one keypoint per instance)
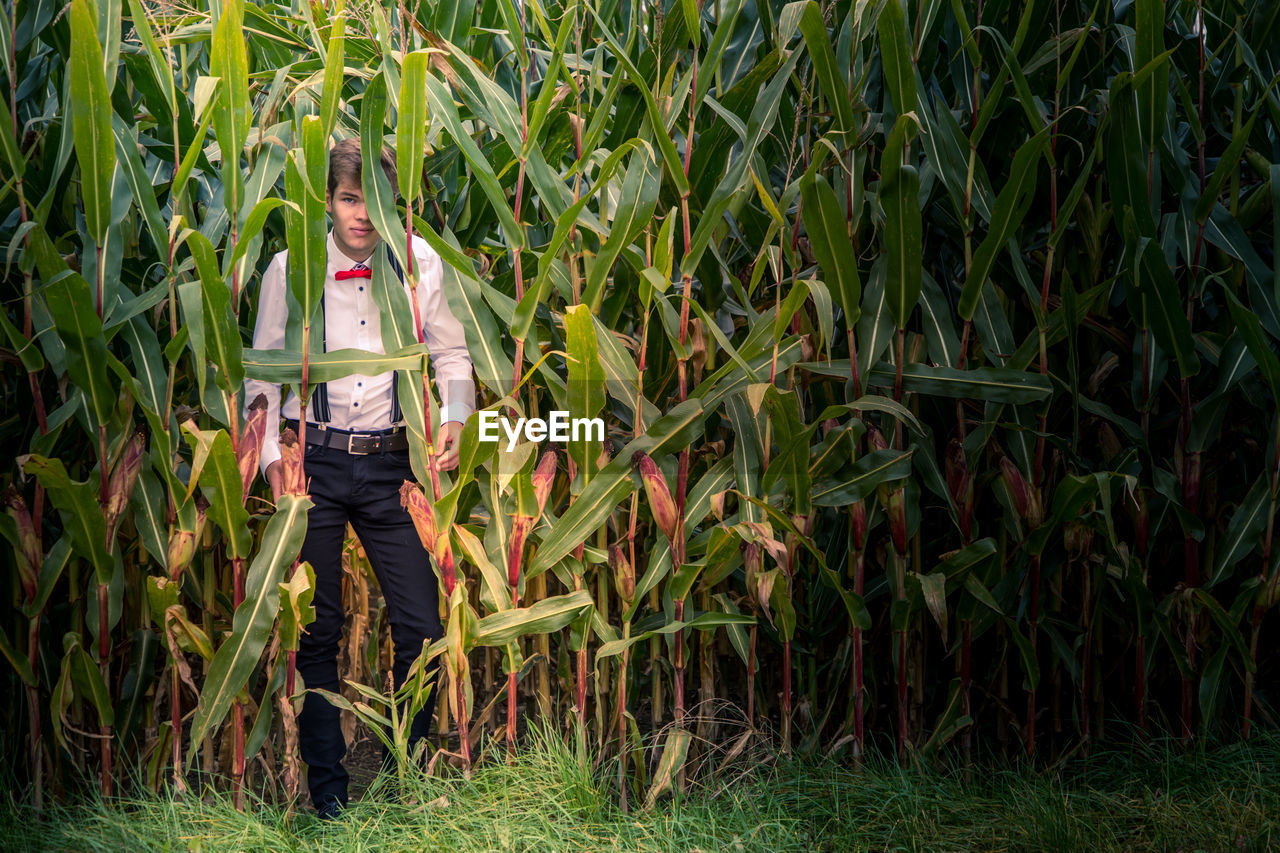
(624, 575)
(28, 559)
(1191, 557)
(1142, 531)
(960, 487)
(248, 450)
(857, 568)
(180, 672)
(544, 477)
(1267, 589)
(894, 502)
(1027, 504)
(1078, 539)
(439, 546)
(754, 561)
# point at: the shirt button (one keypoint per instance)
(362, 288)
(362, 322)
(357, 405)
(359, 384)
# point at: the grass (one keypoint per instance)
(1130, 798)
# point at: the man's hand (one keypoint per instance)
(275, 479)
(447, 446)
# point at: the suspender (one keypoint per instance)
(320, 394)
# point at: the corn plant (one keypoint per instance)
(935, 346)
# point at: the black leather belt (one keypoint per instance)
(355, 443)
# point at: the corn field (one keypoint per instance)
(936, 344)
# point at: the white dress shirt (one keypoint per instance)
(352, 320)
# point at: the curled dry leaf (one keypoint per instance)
(250, 450)
(293, 480)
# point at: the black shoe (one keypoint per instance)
(330, 808)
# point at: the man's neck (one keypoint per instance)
(346, 253)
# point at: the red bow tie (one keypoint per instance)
(343, 275)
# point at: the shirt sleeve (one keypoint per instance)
(445, 339)
(269, 333)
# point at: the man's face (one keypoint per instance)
(352, 230)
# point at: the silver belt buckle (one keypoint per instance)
(351, 447)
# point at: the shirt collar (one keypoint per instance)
(338, 260)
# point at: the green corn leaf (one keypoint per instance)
(252, 227)
(149, 510)
(702, 622)
(236, 658)
(871, 469)
(899, 194)
(334, 68)
(91, 111)
(585, 383)
(614, 483)
(828, 230)
(87, 678)
(220, 483)
(180, 184)
(228, 61)
(305, 232)
(895, 55)
(1153, 89)
(453, 20)
(1010, 208)
(77, 504)
(638, 199)
(17, 660)
(1244, 531)
(55, 562)
(669, 765)
(1250, 330)
(994, 384)
(675, 166)
(285, 366)
(70, 302)
(144, 194)
(411, 129)
(1165, 308)
(440, 102)
(830, 79)
(543, 617)
(221, 333)
(296, 609)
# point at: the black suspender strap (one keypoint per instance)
(320, 396)
(396, 414)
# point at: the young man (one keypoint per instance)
(356, 459)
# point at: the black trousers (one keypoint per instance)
(364, 490)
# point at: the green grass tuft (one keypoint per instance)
(1130, 798)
